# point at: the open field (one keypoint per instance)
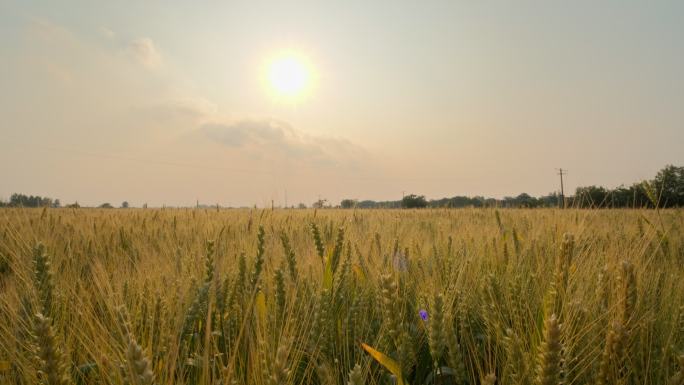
(191, 296)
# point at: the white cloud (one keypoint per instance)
(145, 52)
(279, 139)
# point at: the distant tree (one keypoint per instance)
(301, 206)
(644, 194)
(21, 200)
(525, 200)
(444, 202)
(479, 201)
(18, 200)
(591, 196)
(106, 206)
(508, 202)
(490, 202)
(549, 200)
(665, 190)
(319, 204)
(56, 203)
(74, 205)
(414, 201)
(124, 205)
(621, 197)
(669, 186)
(367, 204)
(348, 203)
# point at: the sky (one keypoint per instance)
(169, 102)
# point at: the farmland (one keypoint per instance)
(448, 296)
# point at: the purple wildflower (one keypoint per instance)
(423, 314)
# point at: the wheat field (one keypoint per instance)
(467, 296)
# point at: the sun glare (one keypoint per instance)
(289, 76)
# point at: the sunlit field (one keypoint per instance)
(466, 296)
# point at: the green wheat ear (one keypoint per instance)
(53, 367)
(209, 261)
(516, 363)
(276, 372)
(316, 233)
(489, 379)
(289, 256)
(43, 279)
(629, 292)
(337, 249)
(259, 259)
(280, 295)
(390, 313)
(356, 376)
(454, 354)
(549, 369)
(436, 329)
(140, 370)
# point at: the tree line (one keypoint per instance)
(666, 189)
(419, 201)
(22, 200)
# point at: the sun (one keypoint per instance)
(289, 75)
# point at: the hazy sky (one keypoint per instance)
(165, 102)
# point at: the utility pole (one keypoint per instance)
(562, 172)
